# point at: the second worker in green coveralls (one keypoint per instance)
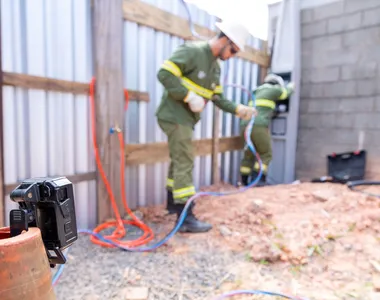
(266, 96)
(191, 78)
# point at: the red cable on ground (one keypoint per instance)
(119, 223)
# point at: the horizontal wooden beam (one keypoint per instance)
(57, 85)
(151, 153)
(73, 178)
(151, 16)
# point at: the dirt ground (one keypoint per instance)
(317, 241)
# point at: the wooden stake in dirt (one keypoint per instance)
(108, 39)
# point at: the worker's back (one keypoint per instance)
(266, 96)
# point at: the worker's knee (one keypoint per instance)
(183, 192)
(247, 161)
(180, 145)
(268, 158)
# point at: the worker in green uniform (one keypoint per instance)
(191, 78)
(267, 95)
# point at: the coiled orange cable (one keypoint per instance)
(119, 223)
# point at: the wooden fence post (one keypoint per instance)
(2, 196)
(107, 47)
(264, 69)
(215, 146)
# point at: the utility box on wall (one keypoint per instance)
(286, 63)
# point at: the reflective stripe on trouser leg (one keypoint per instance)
(169, 184)
(264, 167)
(245, 170)
(182, 159)
(182, 195)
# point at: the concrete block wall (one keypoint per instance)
(340, 90)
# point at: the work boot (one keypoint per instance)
(244, 180)
(191, 223)
(170, 206)
(262, 181)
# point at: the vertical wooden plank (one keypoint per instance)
(108, 46)
(2, 195)
(215, 146)
(263, 73)
(264, 70)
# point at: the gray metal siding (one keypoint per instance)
(48, 133)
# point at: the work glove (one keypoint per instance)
(291, 86)
(245, 112)
(195, 102)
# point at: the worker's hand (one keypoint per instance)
(196, 103)
(291, 85)
(245, 112)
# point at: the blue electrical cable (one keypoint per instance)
(247, 136)
(255, 292)
(59, 272)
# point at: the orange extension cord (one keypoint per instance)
(119, 223)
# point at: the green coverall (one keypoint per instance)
(266, 97)
(191, 67)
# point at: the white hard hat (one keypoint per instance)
(236, 32)
(275, 79)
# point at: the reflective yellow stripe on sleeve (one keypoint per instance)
(190, 85)
(172, 68)
(201, 91)
(218, 89)
(284, 94)
(184, 192)
(263, 103)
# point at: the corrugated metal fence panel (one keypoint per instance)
(47, 133)
(145, 50)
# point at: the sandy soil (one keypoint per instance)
(317, 241)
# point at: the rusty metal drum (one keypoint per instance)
(24, 267)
